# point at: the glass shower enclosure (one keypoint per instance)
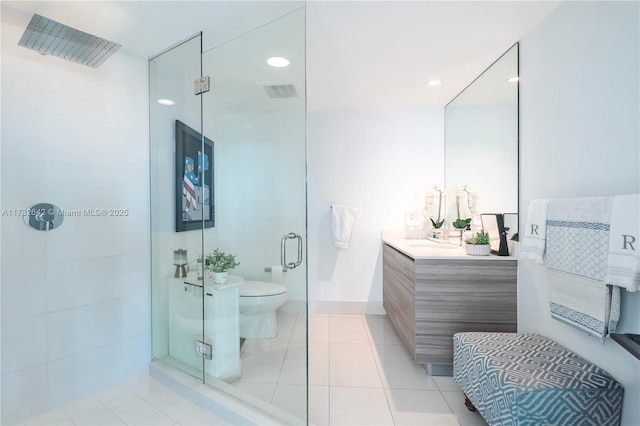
(228, 173)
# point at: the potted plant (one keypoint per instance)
(219, 264)
(478, 245)
(460, 223)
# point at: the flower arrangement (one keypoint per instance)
(463, 223)
(219, 261)
(437, 224)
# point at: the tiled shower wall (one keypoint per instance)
(76, 299)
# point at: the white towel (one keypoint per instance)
(342, 221)
(576, 258)
(623, 261)
(533, 236)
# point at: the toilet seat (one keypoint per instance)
(261, 288)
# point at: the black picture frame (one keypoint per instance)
(493, 224)
(193, 180)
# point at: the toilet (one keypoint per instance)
(258, 303)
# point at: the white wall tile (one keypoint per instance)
(88, 327)
(76, 283)
(26, 340)
(23, 291)
(24, 394)
(83, 373)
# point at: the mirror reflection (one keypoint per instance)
(481, 142)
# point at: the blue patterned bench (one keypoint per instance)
(528, 379)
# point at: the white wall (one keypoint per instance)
(579, 137)
(75, 300)
(382, 162)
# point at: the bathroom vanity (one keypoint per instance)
(431, 291)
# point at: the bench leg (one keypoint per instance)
(468, 404)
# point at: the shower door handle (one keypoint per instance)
(283, 251)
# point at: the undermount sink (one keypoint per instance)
(436, 244)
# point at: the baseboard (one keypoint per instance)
(346, 308)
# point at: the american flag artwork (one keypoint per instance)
(189, 184)
(194, 180)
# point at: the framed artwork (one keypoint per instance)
(193, 180)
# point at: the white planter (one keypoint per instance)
(220, 277)
(477, 249)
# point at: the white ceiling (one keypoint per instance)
(359, 54)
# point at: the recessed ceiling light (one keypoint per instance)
(434, 82)
(278, 61)
(166, 102)
(513, 79)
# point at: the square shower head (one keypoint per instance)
(49, 37)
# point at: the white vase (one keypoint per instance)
(220, 277)
(477, 249)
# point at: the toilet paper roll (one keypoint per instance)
(276, 274)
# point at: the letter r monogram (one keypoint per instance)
(534, 229)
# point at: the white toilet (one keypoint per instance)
(258, 303)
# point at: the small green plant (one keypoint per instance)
(481, 238)
(219, 261)
(461, 223)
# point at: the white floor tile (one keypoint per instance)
(319, 405)
(180, 410)
(117, 396)
(380, 330)
(455, 399)
(53, 418)
(358, 406)
(352, 364)
(347, 329)
(106, 418)
(419, 407)
(292, 399)
(398, 370)
(263, 391)
(294, 368)
(134, 414)
(445, 383)
(318, 328)
(158, 420)
(84, 408)
(360, 373)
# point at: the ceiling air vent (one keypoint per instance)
(280, 91)
(49, 37)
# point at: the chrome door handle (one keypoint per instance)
(283, 251)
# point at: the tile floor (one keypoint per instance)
(138, 401)
(359, 374)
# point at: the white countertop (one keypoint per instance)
(192, 279)
(431, 249)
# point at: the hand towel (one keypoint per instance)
(623, 261)
(342, 221)
(576, 257)
(533, 236)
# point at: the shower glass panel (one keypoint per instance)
(255, 115)
(177, 316)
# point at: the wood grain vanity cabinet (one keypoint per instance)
(430, 299)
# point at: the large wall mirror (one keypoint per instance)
(481, 144)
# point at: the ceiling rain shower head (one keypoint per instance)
(49, 37)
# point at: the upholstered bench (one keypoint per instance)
(528, 379)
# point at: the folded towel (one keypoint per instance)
(342, 221)
(576, 257)
(533, 237)
(623, 262)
